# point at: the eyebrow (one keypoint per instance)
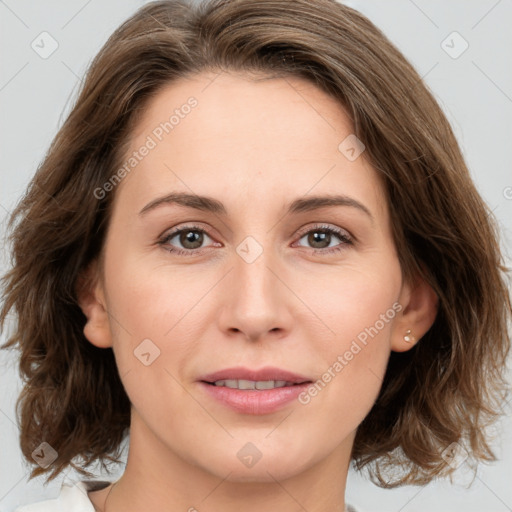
(209, 204)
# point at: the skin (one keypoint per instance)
(255, 146)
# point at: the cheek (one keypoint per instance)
(158, 317)
(151, 300)
(358, 308)
(151, 345)
(352, 299)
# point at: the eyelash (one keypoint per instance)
(341, 234)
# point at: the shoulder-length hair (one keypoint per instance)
(445, 390)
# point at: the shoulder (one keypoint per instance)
(72, 498)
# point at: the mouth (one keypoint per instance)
(254, 392)
(258, 385)
(248, 379)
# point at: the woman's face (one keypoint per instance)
(256, 279)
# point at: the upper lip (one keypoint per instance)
(266, 373)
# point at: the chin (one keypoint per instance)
(272, 466)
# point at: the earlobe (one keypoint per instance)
(420, 303)
(91, 300)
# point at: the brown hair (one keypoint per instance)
(446, 389)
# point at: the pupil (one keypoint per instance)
(318, 236)
(192, 237)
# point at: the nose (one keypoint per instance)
(258, 303)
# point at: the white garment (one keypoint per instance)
(74, 498)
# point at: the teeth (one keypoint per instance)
(251, 384)
(241, 384)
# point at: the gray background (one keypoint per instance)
(474, 89)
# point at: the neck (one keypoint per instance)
(157, 478)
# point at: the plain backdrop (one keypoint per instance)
(470, 74)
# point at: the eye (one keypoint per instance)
(320, 237)
(191, 239)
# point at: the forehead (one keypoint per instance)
(278, 112)
(230, 135)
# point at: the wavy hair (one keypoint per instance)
(447, 389)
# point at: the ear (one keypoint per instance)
(91, 299)
(419, 303)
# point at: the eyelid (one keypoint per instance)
(171, 233)
(346, 239)
(324, 226)
(193, 224)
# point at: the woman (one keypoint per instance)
(252, 246)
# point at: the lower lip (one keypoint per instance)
(265, 401)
